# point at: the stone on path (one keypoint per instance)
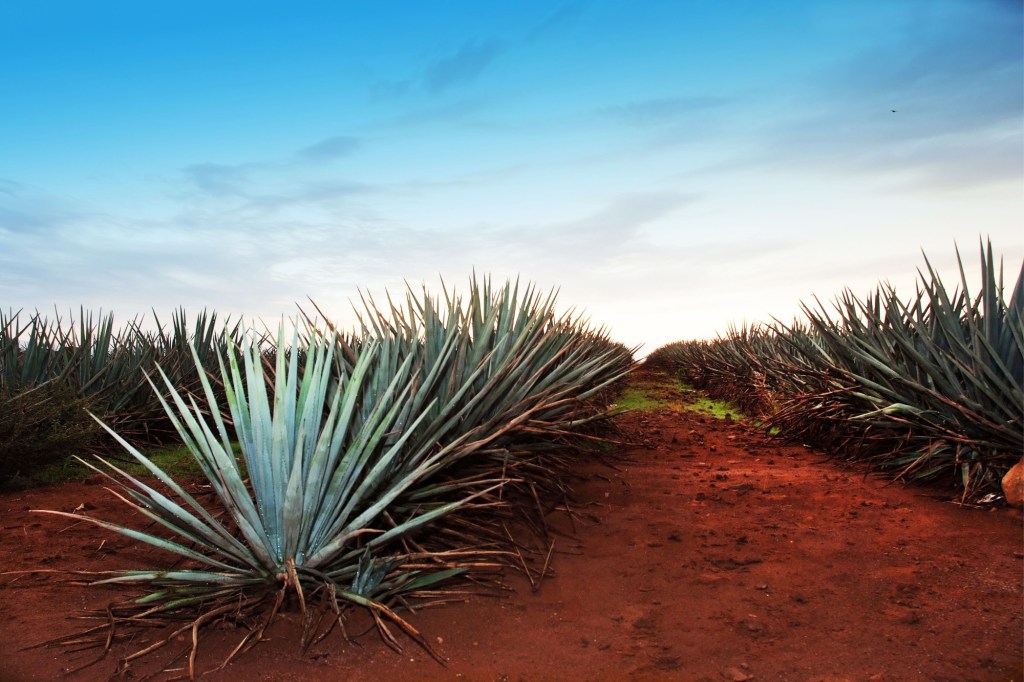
(1013, 485)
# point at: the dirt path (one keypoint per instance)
(706, 553)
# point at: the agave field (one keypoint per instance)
(50, 370)
(438, 412)
(366, 472)
(928, 388)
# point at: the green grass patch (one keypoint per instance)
(176, 460)
(719, 409)
(647, 394)
(638, 398)
(671, 393)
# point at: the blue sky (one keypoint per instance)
(673, 167)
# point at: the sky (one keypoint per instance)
(672, 167)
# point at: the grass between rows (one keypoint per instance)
(176, 460)
(651, 392)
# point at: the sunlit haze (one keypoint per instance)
(672, 167)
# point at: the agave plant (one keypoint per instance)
(350, 445)
(307, 521)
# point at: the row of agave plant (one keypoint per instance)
(373, 467)
(928, 389)
(51, 369)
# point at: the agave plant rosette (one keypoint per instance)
(350, 446)
(301, 521)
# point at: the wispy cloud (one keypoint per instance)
(226, 179)
(307, 194)
(224, 191)
(465, 65)
(329, 149)
(562, 17)
(663, 110)
(468, 62)
(220, 180)
(10, 187)
(276, 183)
(620, 221)
(26, 210)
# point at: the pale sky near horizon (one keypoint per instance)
(672, 167)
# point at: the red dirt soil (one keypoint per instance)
(706, 551)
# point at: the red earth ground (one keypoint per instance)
(704, 551)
